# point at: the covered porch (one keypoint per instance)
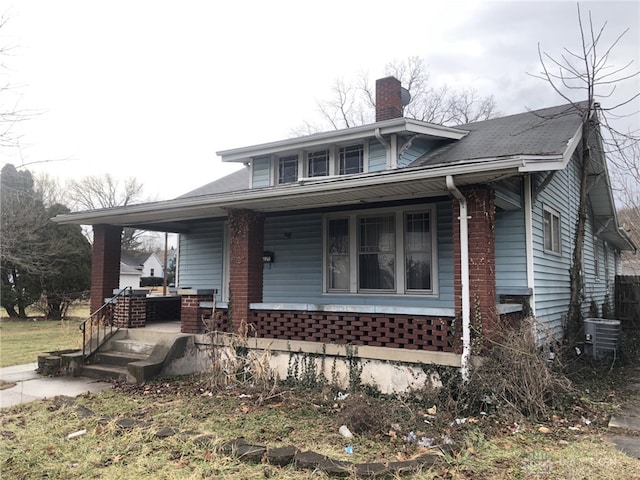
(392, 326)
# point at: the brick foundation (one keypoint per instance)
(413, 332)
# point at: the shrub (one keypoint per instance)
(518, 378)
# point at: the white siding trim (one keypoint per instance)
(528, 225)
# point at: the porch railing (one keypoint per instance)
(99, 327)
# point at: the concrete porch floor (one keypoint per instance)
(163, 327)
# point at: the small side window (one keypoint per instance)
(551, 220)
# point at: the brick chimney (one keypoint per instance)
(388, 99)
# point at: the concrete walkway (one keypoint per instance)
(29, 385)
(625, 425)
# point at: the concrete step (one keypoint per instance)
(128, 345)
(121, 359)
(112, 372)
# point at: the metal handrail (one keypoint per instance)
(99, 330)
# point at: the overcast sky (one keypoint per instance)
(152, 89)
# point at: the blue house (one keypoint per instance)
(401, 237)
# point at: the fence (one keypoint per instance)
(627, 300)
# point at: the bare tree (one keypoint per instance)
(10, 114)
(49, 189)
(353, 103)
(105, 191)
(589, 73)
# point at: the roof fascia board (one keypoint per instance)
(572, 144)
(387, 127)
(227, 200)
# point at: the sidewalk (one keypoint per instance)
(29, 385)
(626, 424)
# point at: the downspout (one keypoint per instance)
(464, 278)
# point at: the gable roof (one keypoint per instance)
(127, 269)
(134, 259)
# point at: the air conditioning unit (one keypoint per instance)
(601, 337)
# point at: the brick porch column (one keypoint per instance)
(482, 273)
(105, 263)
(246, 230)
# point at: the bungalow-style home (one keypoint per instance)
(400, 237)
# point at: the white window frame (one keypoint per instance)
(307, 162)
(353, 217)
(276, 167)
(553, 213)
(365, 157)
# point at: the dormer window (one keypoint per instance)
(351, 159)
(318, 163)
(288, 169)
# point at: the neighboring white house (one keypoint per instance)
(135, 265)
(129, 276)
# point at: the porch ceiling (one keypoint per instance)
(175, 215)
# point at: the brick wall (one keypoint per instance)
(105, 263)
(413, 332)
(246, 230)
(482, 280)
(130, 311)
(191, 313)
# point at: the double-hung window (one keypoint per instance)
(417, 251)
(288, 169)
(351, 159)
(389, 252)
(338, 246)
(377, 253)
(551, 220)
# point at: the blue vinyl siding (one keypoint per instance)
(201, 256)
(551, 271)
(510, 250)
(296, 274)
(261, 172)
(416, 150)
(552, 281)
(377, 156)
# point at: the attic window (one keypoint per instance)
(288, 169)
(351, 159)
(318, 163)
